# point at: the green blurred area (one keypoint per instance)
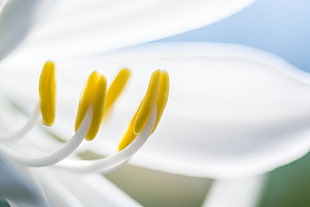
(152, 188)
(3, 203)
(288, 186)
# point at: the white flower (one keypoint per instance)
(224, 108)
(16, 186)
(233, 111)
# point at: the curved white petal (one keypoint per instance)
(233, 111)
(83, 190)
(18, 187)
(87, 27)
(241, 192)
(17, 17)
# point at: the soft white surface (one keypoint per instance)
(87, 190)
(233, 111)
(20, 133)
(18, 187)
(242, 192)
(17, 18)
(85, 27)
(55, 191)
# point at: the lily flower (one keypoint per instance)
(221, 120)
(224, 120)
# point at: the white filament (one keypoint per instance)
(59, 154)
(25, 129)
(115, 160)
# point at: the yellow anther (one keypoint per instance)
(93, 94)
(129, 135)
(87, 98)
(116, 88)
(157, 93)
(98, 108)
(148, 102)
(47, 93)
(162, 97)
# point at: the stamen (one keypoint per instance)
(93, 94)
(92, 107)
(129, 135)
(157, 94)
(47, 91)
(113, 161)
(87, 97)
(25, 129)
(147, 102)
(162, 97)
(47, 104)
(116, 88)
(59, 154)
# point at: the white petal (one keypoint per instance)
(56, 192)
(18, 187)
(79, 27)
(17, 17)
(242, 192)
(87, 190)
(233, 111)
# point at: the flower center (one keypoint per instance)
(96, 101)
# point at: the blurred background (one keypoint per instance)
(281, 27)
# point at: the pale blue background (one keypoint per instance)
(278, 26)
(281, 27)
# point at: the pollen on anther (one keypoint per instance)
(147, 102)
(116, 88)
(93, 94)
(47, 93)
(156, 96)
(162, 97)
